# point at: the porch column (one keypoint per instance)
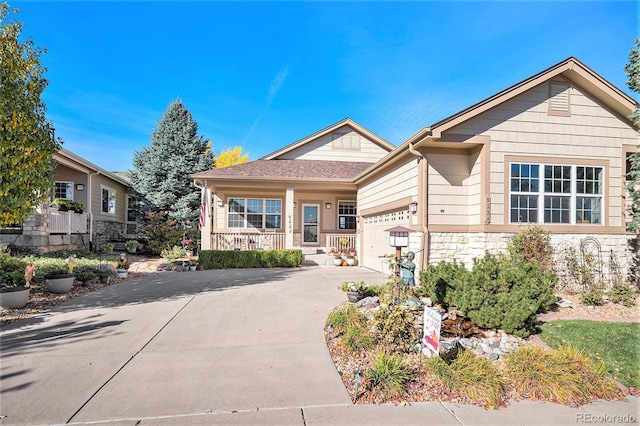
(205, 232)
(288, 225)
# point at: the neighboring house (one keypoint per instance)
(105, 199)
(550, 150)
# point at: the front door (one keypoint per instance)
(310, 223)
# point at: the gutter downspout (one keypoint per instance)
(424, 253)
(89, 198)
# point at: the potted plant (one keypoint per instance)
(62, 204)
(121, 268)
(14, 287)
(193, 266)
(132, 246)
(337, 260)
(86, 274)
(59, 279)
(77, 207)
(107, 248)
(104, 273)
(354, 289)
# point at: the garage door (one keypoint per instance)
(375, 241)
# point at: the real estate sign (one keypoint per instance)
(431, 332)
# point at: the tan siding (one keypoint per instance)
(322, 149)
(96, 199)
(522, 127)
(450, 177)
(396, 184)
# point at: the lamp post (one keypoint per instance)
(398, 238)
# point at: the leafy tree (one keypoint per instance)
(161, 172)
(633, 71)
(231, 157)
(27, 143)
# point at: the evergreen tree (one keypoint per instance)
(633, 71)
(161, 172)
(27, 143)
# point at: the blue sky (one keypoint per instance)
(264, 74)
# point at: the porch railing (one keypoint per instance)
(335, 241)
(67, 222)
(247, 241)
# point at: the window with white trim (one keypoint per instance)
(254, 213)
(555, 194)
(347, 215)
(63, 190)
(108, 200)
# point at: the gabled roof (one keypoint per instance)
(74, 161)
(571, 69)
(348, 122)
(289, 170)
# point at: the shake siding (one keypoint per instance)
(449, 180)
(322, 149)
(522, 127)
(394, 185)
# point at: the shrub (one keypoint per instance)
(221, 259)
(622, 294)
(359, 286)
(507, 293)
(345, 316)
(443, 282)
(172, 253)
(471, 376)
(566, 376)
(356, 338)
(389, 373)
(160, 232)
(532, 244)
(394, 327)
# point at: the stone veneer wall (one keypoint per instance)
(104, 231)
(464, 247)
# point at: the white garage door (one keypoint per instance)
(375, 241)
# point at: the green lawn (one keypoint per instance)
(616, 344)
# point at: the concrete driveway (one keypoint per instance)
(208, 347)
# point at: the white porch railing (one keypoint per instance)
(247, 241)
(334, 242)
(67, 222)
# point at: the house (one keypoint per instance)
(550, 150)
(104, 196)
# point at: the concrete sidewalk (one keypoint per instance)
(215, 347)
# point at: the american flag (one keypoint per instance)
(203, 210)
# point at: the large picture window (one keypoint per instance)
(565, 194)
(254, 213)
(347, 214)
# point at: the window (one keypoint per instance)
(63, 190)
(108, 200)
(254, 213)
(347, 214)
(569, 194)
(132, 207)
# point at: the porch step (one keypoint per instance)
(311, 251)
(314, 259)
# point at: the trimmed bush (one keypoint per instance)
(507, 293)
(222, 259)
(443, 282)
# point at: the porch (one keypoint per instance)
(68, 222)
(275, 241)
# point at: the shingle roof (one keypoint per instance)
(288, 169)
